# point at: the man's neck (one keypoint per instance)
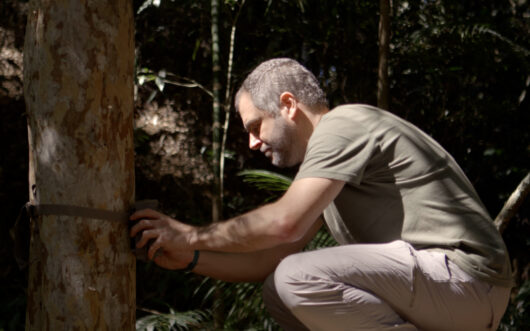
(315, 116)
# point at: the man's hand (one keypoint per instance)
(170, 245)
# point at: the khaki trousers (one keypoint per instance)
(380, 287)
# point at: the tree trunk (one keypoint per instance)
(513, 203)
(217, 203)
(78, 70)
(228, 99)
(384, 46)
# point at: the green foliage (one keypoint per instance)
(141, 141)
(242, 304)
(266, 180)
(148, 3)
(172, 321)
(274, 183)
(459, 71)
(517, 316)
(322, 239)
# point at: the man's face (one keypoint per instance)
(275, 137)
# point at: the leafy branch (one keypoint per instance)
(162, 77)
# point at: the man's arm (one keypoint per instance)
(284, 221)
(249, 267)
(236, 267)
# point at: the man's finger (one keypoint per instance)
(141, 226)
(146, 236)
(144, 213)
(155, 250)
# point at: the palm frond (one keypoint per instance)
(469, 32)
(244, 303)
(266, 180)
(322, 239)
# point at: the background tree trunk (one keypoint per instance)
(513, 203)
(217, 203)
(78, 70)
(384, 46)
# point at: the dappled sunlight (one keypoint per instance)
(170, 135)
(10, 65)
(155, 119)
(50, 142)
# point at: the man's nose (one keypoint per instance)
(254, 142)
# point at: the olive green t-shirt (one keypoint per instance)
(402, 185)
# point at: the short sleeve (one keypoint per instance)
(339, 148)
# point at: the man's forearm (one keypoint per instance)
(251, 266)
(259, 229)
(284, 221)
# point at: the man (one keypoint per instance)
(417, 247)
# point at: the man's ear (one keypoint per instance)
(289, 104)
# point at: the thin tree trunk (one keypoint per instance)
(217, 203)
(78, 70)
(227, 104)
(384, 47)
(216, 118)
(513, 203)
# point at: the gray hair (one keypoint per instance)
(271, 78)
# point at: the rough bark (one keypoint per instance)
(513, 203)
(78, 70)
(384, 47)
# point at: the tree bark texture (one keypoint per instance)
(384, 50)
(78, 86)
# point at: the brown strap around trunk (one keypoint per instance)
(21, 231)
(76, 211)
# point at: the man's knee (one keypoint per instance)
(277, 308)
(281, 280)
(279, 286)
(294, 281)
